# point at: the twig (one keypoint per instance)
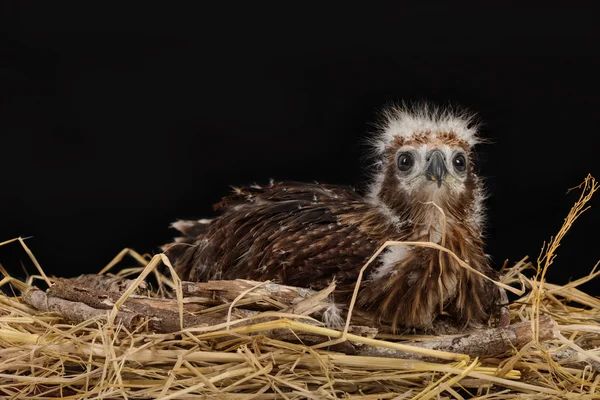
(481, 343)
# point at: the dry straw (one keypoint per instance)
(260, 347)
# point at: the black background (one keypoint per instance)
(116, 121)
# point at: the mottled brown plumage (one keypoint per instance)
(424, 189)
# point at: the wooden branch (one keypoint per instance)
(101, 292)
(266, 296)
(568, 356)
(105, 283)
(77, 305)
(207, 304)
(79, 299)
(73, 311)
(480, 343)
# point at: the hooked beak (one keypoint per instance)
(436, 169)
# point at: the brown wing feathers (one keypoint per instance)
(286, 232)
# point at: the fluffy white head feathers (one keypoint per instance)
(423, 119)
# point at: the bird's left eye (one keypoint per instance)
(460, 163)
(405, 162)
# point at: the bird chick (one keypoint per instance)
(424, 189)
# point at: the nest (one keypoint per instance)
(134, 333)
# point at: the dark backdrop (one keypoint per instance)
(116, 121)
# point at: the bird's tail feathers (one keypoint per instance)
(192, 230)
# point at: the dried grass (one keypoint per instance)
(44, 357)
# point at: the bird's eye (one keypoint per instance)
(460, 163)
(405, 162)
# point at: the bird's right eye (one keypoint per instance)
(405, 162)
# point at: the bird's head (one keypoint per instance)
(424, 154)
